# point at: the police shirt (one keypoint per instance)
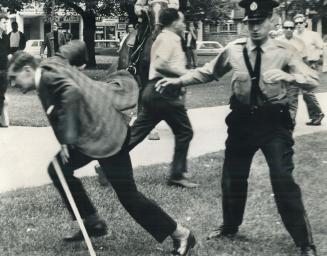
(275, 55)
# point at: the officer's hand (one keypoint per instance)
(163, 83)
(64, 154)
(276, 75)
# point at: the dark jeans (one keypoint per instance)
(171, 109)
(12, 50)
(268, 131)
(191, 57)
(3, 87)
(118, 170)
(309, 98)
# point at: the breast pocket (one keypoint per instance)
(241, 86)
(272, 90)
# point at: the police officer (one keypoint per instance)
(259, 119)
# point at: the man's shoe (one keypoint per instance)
(308, 251)
(101, 177)
(316, 121)
(223, 232)
(182, 247)
(181, 182)
(99, 229)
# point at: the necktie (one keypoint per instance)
(255, 89)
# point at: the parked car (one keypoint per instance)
(34, 47)
(208, 48)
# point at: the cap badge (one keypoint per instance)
(253, 6)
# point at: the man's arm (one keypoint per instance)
(22, 43)
(44, 45)
(305, 77)
(67, 97)
(63, 39)
(210, 71)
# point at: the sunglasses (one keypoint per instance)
(291, 28)
(301, 22)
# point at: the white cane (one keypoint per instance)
(73, 205)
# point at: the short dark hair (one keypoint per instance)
(168, 16)
(75, 52)
(14, 23)
(21, 59)
(3, 16)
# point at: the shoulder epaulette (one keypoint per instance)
(241, 40)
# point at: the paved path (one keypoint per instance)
(26, 151)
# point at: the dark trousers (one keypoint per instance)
(119, 172)
(191, 57)
(171, 109)
(12, 50)
(3, 88)
(268, 131)
(309, 98)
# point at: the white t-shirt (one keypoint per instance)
(167, 53)
(313, 43)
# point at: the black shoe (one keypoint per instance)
(181, 182)
(99, 229)
(182, 247)
(222, 232)
(308, 251)
(316, 121)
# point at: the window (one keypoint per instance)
(227, 27)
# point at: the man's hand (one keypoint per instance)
(161, 84)
(276, 75)
(64, 154)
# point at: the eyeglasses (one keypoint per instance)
(300, 22)
(291, 28)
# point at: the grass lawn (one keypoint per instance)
(33, 220)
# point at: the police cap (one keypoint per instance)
(258, 9)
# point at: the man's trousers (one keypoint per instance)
(119, 172)
(171, 109)
(3, 87)
(267, 130)
(309, 98)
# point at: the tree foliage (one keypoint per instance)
(292, 7)
(213, 10)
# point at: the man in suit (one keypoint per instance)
(87, 119)
(53, 40)
(17, 39)
(4, 53)
(259, 120)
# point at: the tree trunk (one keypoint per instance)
(88, 35)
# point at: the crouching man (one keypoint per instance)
(87, 119)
